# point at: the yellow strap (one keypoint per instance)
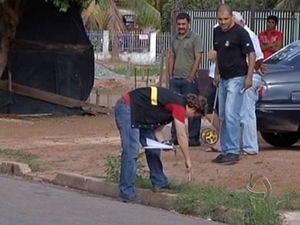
(153, 95)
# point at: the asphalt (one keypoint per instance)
(102, 187)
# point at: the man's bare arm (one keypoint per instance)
(251, 64)
(183, 142)
(171, 62)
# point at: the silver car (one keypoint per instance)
(278, 108)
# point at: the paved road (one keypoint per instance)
(25, 202)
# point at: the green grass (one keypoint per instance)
(234, 208)
(20, 156)
(216, 203)
(140, 71)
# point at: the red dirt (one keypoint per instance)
(80, 144)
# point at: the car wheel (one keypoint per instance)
(281, 139)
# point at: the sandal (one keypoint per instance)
(212, 149)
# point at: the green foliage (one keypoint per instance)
(20, 156)
(112, 168)
(196, 5)
(233, 208)
(112, 171)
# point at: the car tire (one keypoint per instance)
(281, 139)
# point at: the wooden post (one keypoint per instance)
(97, 96)
(162, 62)
(135, 74)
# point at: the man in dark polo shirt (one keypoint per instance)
(233, 75)
(183, 64)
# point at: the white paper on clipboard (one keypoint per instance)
(152, 144)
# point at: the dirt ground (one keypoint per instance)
(80, 144)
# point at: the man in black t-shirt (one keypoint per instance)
(233, 74)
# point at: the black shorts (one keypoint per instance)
(210, 93)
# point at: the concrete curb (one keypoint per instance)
(100, 186)
(14, 168)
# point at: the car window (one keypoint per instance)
(289, 55)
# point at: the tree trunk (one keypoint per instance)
(10, 13)
(115, 46)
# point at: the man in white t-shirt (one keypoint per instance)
(248, 116)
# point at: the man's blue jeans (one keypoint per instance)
(230, 101)
(130, 142)
(248, 117)
(184, 87)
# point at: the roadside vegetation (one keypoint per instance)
(131, 69)
(217, 203)
(22, 157)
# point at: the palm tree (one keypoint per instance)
(105, 14)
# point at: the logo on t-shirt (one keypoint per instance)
(227, 43)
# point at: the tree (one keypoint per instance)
(96, 13)
(105, 15)
(288, 4)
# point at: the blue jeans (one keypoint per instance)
(182, 86)
(230, 101)
(248, 117)
(130, 142)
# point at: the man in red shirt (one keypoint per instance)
(271, 39)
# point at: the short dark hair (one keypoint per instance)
(182, 16)
(224, 8)
(273, 17)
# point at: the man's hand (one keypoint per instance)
(191, 78)
(262, 70)
(216, 79)
(247, 82)
(188, 165)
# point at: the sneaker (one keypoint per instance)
(161, 189)
(194, 143)
(218, 158)
(227, 159)
(173, 141)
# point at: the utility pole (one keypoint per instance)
(222, 1)
(252, 13)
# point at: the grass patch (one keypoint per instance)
(20, 156)
(234, 208)
(139, 71)
(112, 171)
(216, 203)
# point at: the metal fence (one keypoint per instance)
(203, 22)
(128, 42)
(96, 38)
(132, 41)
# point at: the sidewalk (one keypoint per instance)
(100, 186)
